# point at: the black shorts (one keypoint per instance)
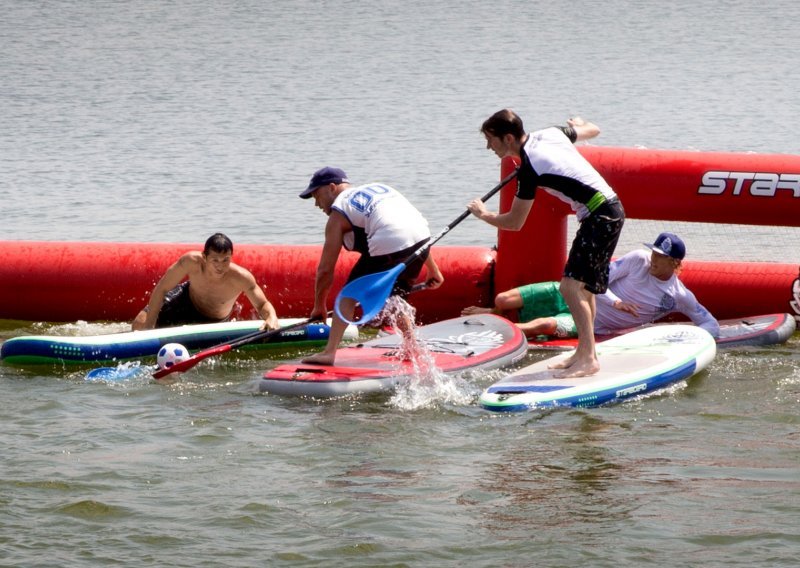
(593, 246)
(374, 264)
(178, 309)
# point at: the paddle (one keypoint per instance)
(372, 290)
(225, 347)
(125, 371)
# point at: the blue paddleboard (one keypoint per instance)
(633, 364)
(115, 347)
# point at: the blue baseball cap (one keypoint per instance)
(670, 245)
(324, 176)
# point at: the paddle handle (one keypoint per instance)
(466, 213)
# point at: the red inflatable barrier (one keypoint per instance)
(68, 281)
(538, 252)
(709, 187)
(51, 281)
(741, 289)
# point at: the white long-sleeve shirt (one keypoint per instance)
(630, 281)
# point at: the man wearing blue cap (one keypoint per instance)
(378, 222)
(642, 288)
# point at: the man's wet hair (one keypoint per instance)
(504, 122)
(218, 243)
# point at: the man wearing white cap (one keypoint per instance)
(375, 220)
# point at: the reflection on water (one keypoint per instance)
(554, 480)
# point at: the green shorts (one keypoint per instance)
(543, 300)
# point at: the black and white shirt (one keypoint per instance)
(550, 160)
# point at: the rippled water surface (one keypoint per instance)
(153, 121)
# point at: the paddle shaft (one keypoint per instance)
(466, 213)
(225, 347)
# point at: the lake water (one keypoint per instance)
(167, 121)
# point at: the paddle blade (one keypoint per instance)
(116, 374)
(371, 292)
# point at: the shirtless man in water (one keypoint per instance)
(208, 295)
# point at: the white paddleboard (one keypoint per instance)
(630, 365)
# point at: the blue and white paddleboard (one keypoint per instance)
(630, 365)
(114, 347)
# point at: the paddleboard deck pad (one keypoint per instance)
(483, 342)
(756, 331)
(114, 347)
(633, 364)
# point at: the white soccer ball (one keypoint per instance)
(170, 354)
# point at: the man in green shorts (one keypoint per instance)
(540, 309)
(642, 288)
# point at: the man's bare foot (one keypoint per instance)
(565, 364)
(320, 359)
(579, 369)
(475, 310)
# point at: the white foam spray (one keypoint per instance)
(428, 387)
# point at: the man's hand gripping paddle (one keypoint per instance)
(372, 290)
(225, 347)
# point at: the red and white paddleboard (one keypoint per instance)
(480, 342)
(769, 329)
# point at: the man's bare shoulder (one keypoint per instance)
(192, 260)
(241, 274)
(339, 219)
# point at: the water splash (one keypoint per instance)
(428, 386)
(80, 328)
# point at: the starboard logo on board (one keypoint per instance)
(686, 337)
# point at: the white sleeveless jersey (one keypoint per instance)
(390, 221)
